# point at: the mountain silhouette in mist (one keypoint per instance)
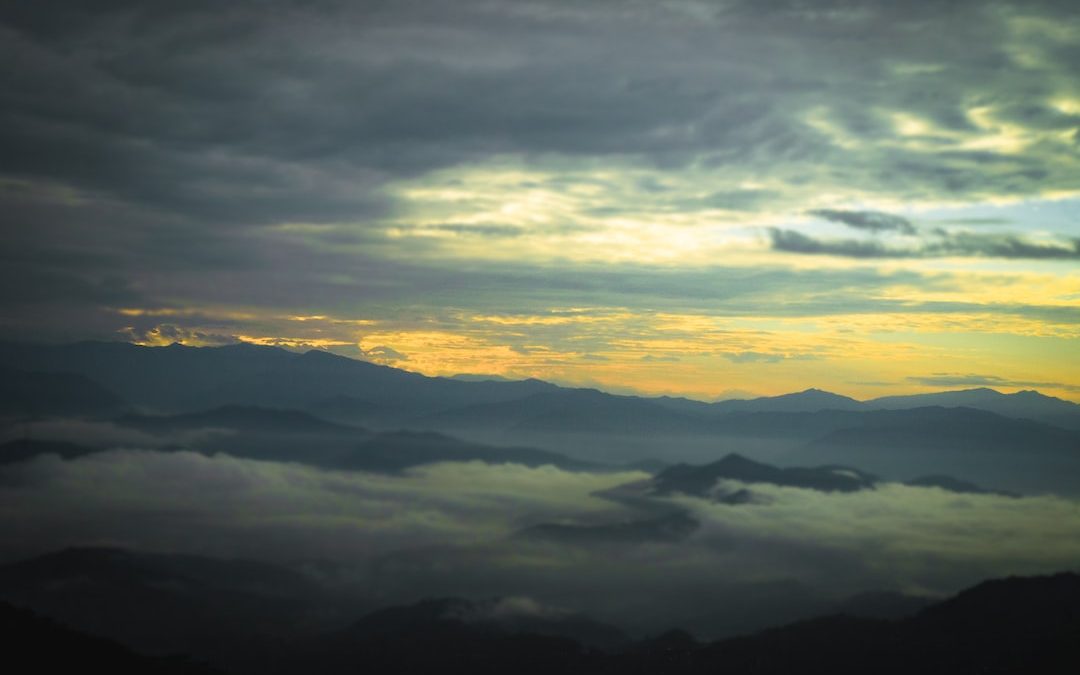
(395, 451)
(701, 480)
(1022, 404)
(265, 395)
(238, 418)
(955, 485)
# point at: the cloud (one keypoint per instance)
(356, 159)
(939, 244)
(166, 334)
(156, 501)
(925, 538)
(958, 379)
(765, 357)
(792, 241)
(447, 530)
(975, 380)
(873, 221)
(383, 354)
(480, 230)
(1006, 246)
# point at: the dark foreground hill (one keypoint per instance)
(39, 645)
(1016, 625)
(159, 603)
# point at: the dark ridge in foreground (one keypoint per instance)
(1015, 625)
(242, 616)
(43, 646)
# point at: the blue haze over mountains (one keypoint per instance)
(268, 394)
(263, 510)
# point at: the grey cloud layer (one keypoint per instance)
(147, 147)
(940, 243)
(268, 111)
(867, 220)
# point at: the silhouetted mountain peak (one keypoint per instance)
(734, 460)
(807, 400)
(701, 480)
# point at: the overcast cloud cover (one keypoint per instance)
(554, 189)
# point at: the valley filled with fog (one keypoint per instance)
(641, 514)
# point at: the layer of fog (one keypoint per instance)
(448, 529)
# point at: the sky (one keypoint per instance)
(664, 197)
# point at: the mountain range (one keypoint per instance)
(260, 402)
(184, 379)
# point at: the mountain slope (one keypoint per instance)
(179, 378)
(1022, 404)
(700, 480)
(238, 418)
(54, 648)
(569, 411)
(35, 394)
(395, 451)
(160, 603)
(810, 400)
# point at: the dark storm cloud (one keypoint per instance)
(873, 221)
(938, 244)
(149, 150)
(792, 241)
(1005, 246)
(269, 111)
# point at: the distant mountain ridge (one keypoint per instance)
(885, 436)
(202, 377)
(809, 400)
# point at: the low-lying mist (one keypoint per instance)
(462, 529)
